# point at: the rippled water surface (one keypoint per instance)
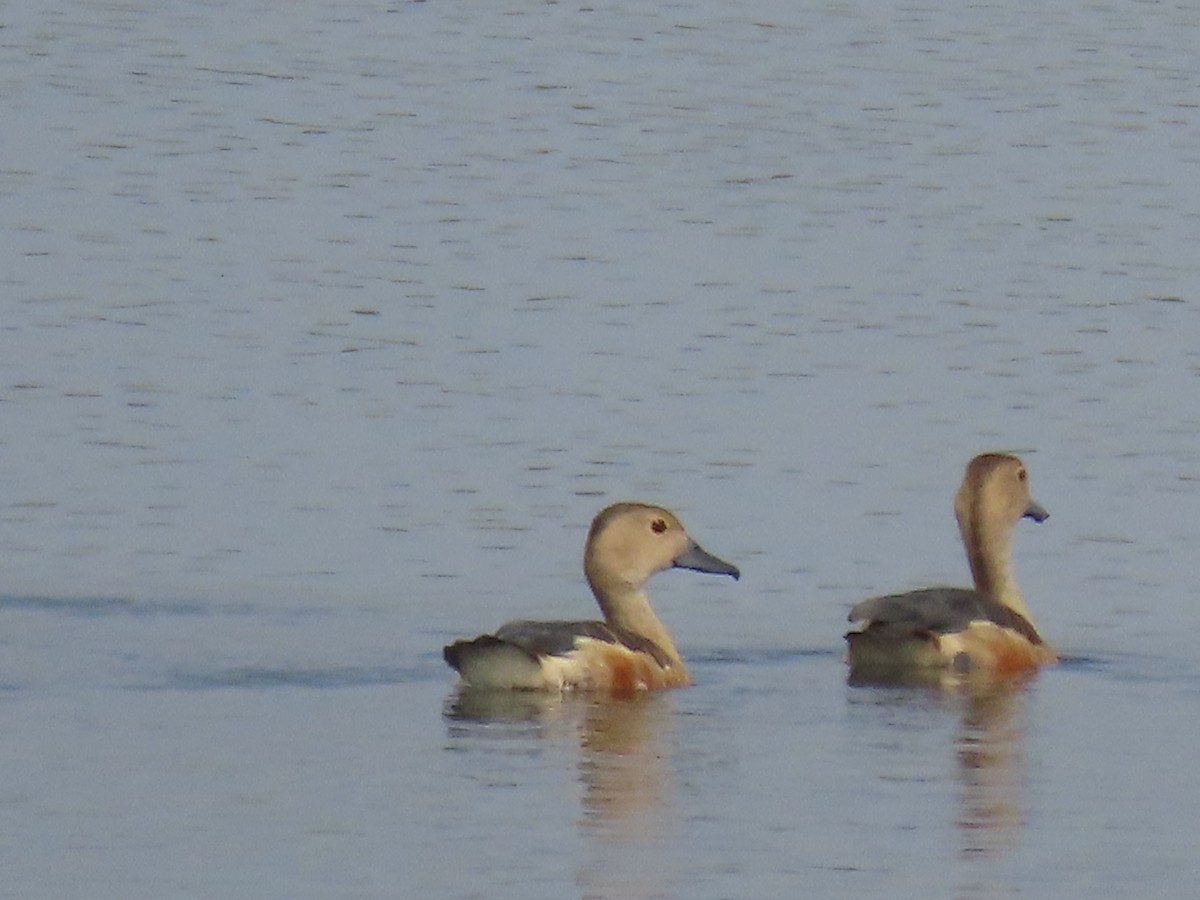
(328, 327)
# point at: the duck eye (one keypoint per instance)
(1021, 475)
(658, 526)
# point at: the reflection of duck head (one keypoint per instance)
(986, 745)
(628, 803)
(625, 769)
(989, 766)
(630, 650)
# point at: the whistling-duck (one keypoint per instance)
(630, 650)
(985, 630)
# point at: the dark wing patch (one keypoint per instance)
(551, 638)
(558, 638)
(941, 610)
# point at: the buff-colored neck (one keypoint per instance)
(989, 552)
(629, 609)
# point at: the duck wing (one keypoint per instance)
(939, 610)
(560, 638)
(512, 657)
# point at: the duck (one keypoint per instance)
(986, 630)
(630, 650)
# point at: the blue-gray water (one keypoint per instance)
(326, 328)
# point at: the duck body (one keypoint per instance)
(958, 629)
(985, 630)
(556, 656)
(630, 650)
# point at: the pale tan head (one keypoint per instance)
(995, 493)
(994, 496)
(629, 542)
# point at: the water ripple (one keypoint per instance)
(267, 678)
(95, 607)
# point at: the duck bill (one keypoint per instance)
(698, 559)
(1036, 511)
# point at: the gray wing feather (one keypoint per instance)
(940, 610)
(551, 638)
(558, 638)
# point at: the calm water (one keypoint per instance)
(327, 328)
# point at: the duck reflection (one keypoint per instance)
(472, 706)
(625, 768)
(990, 769)
(625, 748)
(987, 750)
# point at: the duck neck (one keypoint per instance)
(989, 552)
(629, 609)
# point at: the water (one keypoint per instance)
(327, 328)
